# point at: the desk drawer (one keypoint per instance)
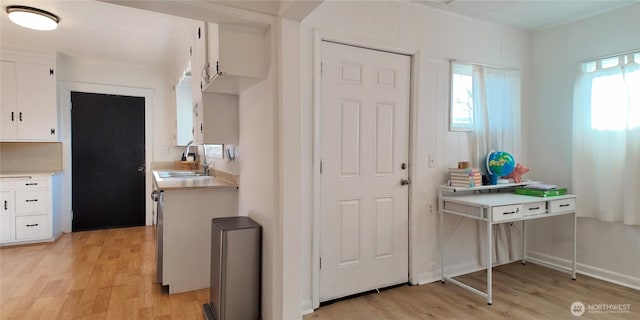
(562, 205)
(503, 213)
(532, 209)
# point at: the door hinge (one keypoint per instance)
(190, 51)
(199, 33)
(321, 68)
(320, 263)
(320, 166)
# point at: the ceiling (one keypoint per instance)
(528, 14)
(107, 31)
(98, 30)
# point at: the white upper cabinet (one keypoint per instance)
(198, 59)
(29, 103)
(215, 119)
(231, 57)
(220, 118)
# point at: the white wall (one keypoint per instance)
(438, 37)
(259, 178)
(607, 250)
(290, 167)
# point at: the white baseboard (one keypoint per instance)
(591, 271)
(426, 277)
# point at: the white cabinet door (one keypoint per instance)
(29, 105)
(198, 122)
(199, 57)
(219, 118)
(6, 215)
(8, 105)
(37, 106)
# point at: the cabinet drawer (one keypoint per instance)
(32, 227)
(32, 202)
(532, 209)
(32, 184)
(503, 213)
(562, 205)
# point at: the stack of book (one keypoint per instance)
(470, 177)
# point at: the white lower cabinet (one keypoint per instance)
(26, 212)
(6, 215)
(186, 234)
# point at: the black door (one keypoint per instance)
(107, 147)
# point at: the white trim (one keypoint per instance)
(307, 307)
(331, 36)
(591, 271)
(64, 102)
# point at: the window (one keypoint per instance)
(214, 150)
(461, 113)
(606, 139)
(612, 99)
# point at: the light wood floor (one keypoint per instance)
(519, 292)
(105, 274)
(109, 274)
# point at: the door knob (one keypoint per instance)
(405, 182)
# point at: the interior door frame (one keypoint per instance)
(321, 35)
(64, 102)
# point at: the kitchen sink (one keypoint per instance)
(179, 174)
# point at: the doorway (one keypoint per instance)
(108, 161)
(364, 154)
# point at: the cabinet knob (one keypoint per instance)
(53, 132)
(12, 116)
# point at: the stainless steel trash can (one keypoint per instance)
(235, 269)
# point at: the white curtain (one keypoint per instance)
(496, 103)
(606, 140)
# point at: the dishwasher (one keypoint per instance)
(158, 198)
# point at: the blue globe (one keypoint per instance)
(500, 163)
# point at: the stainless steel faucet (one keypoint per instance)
(186, 153)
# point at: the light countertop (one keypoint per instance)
(199, 182)
(18, 174)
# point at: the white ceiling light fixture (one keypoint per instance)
(32, 18)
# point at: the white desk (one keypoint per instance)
(498, 204)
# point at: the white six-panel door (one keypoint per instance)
(364, 142)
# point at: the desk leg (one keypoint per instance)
(441, 248)
(575, 232)
(524, 243)
(490, 258)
